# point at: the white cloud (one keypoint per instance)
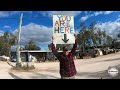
(51, 13)
(118, 19)
(4, 13)
(86, 12)
(111, 28)
(76, 32)
(98, 13)
(107, 12)
(119, 16)
(39, 34)
(87, 16)
(1, 33)
(8, 13)
(84, 18)
(6, 26)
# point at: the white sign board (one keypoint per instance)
(63, 29)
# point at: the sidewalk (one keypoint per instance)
(5, 75)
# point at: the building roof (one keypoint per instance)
(39, 51)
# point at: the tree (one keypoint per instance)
(31, 46)
(118, 35)
(99, 33)
(87, 36)
(109, 41)
(104, 37)
(6, 41)
(12, 39)
(93, 35)
(81, 37)
(113, 43)
(2, 43)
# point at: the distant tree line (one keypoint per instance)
(86, 38)
(31, 46)
(89, 37)
(8, 39)
(95, 37)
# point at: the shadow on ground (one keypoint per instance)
(43, 76)
(14, 76)
(99, 75)
(36, 75)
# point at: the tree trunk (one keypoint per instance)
(83, 45)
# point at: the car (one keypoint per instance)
(4, 58)
(13, 60)
(32, 58)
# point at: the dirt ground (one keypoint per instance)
(94, 68)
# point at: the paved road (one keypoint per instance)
(95, 68)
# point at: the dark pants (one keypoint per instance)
(72, 77)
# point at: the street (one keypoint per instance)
(94, 68)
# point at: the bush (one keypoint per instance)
(85, 55)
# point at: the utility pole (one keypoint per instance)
(18, 43)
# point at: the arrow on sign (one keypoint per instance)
(65, 38)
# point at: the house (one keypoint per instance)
(39, 55)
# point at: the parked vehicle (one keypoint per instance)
(4, 58)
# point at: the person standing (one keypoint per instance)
(67, 65)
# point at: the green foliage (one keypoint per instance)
(118, 35)
(109, 41)
(31, 46)
(92, 36)
(6, 41)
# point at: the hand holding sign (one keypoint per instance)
(53, 38)
(63, 29)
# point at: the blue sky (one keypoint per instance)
(37, 25)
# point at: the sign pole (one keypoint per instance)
(18, 43)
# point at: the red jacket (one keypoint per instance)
(67, 66)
